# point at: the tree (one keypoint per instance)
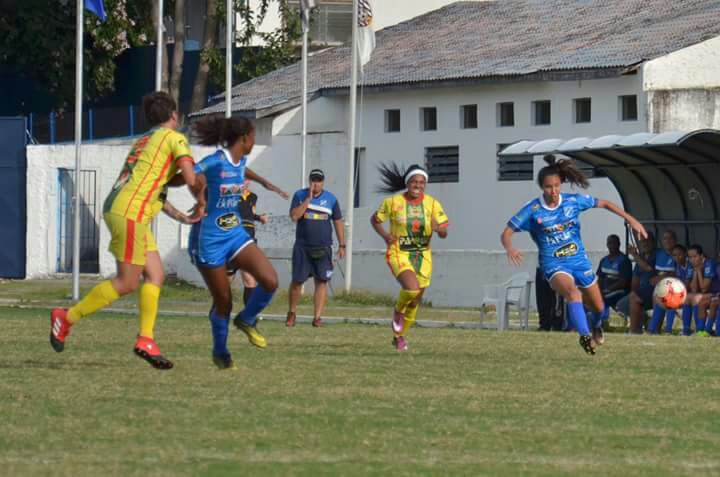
(209, 45)
(37, 38)
(178, 51)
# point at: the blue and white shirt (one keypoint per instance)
(611, 270)
(314, 228)
(555, 230)
(224, 187)
(664, 262)
(684, 272)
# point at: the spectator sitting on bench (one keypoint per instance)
(644, 278)
(698, 299)
(614, 276)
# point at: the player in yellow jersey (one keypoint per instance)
(161, 157)
(414, 216)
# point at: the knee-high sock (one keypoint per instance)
(99, 297)
(410, 315)
(257, 302)
(687, 311)
(657, 316)
(669, 319)
(219, 326)
(709, 322)
(717, 322)
(149, 298)
(405, 297)
(578, 319)
(247, 293)
(699, 322)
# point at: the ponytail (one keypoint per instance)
(395, 178)
(565, 169)
(217, 130)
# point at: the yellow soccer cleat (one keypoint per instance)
(254, 336)
(225, 363)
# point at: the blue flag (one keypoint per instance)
(97, 7)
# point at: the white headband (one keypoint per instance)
(416, 172)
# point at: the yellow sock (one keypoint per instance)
(410, 315)
(99, 297)
(404, 298)
(149, 298)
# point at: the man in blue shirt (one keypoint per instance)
(614, 274)
(313, 209)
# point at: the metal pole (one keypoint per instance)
(303, 134)
(351, 154)
(229, 25)
(79, 7)
(159, 45)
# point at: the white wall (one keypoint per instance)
(387, 13)
(695, 67)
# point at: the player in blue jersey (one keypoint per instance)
(683, 272)
(553, 221)
(665, 266)
(699, 290)
(714, 310)
(220, 242)
(614, 275)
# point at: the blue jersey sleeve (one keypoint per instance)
(520, 222)
(336, 212)
(709, 269)
(206, 164)
(586, 202)
(297, 199)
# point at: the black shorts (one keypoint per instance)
(311, 261)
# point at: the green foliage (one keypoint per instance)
(38, 39)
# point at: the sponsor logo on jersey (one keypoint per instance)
(415, 211)
(567, 250)
(559, 227)
(535, 207)
(413, 243)
(230, 189)
(227, 221)
(229, 174)
(569, 212)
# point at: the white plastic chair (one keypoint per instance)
(515, 292)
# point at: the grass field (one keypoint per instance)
(339, 400)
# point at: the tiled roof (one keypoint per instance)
(503, 38)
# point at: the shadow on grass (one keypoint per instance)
(37, 364)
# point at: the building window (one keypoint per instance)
(505, 114)
(392, 120)
(443, 163)
(582, 110)
(330, 23)
(469, 116)
(628, 108)
(540, 113)
(428, 119)
(514, 168)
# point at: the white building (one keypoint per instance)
(449, 88)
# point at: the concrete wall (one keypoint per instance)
(683, 88)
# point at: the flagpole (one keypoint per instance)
(80, 5)
(159, 47)
(229, 23)
(303, 134)
(351, 154)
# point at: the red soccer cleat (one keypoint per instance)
(290, 320)
(59, 328)
(148, 350)
(317, 322)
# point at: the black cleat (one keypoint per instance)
(586, 343)
(225, 362)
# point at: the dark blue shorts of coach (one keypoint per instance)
(311, 261)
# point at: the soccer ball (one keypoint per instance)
(670, 293)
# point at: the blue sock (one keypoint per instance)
(595, 319)
(219, 325)
(657, 316)
(259, 299)
(709, 322)
(717, 322)
(577, 317)
(687, 319)
(605, 313)
(699, 322)
(669, 319)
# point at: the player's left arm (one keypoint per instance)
(172, 212)
(439, 220)
(250, 174)
(632, 221)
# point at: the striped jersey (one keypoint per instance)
(411, 220)
(151, 163)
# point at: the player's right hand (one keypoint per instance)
(514, 257)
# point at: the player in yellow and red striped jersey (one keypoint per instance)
(159, 158)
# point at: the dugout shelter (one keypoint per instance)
(667, 180)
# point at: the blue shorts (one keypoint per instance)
(311, 261)
(611, 299)
(216, 250)
(580, 269)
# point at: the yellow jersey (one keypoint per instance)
(152, 162)
(411, 220)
